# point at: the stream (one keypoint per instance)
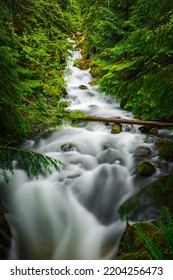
(73, 214)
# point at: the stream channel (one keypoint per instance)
(74, 214)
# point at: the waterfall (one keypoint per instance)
(73, 214)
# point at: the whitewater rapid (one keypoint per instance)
(74, 214)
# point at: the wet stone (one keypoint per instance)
(69, 147)
(145, 168)
(116, 128)
(83, 87)
(142, 152)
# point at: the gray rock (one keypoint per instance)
(142, 152)
(68, 147)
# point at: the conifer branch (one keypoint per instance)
(30, 162)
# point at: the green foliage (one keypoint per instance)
(30, 162)
(150, 240)
(150, 246)
(33, 51)
(166, 223)
(157, 194)
(132, 44)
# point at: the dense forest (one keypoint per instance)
(33, 51)
(130, 42)
(127, 43)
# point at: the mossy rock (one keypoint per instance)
(116, 128)
(95, 69)
(157, 194)
(154, 131)
(166, 151)
(145, 168)
(83, 87)
(82, 64)
(160, 142)
(93, 83)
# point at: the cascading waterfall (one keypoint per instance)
(73, 214)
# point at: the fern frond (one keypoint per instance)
(167, 227)
(150, 246)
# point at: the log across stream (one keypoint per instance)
(120, 120)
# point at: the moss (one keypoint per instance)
(93, 82)
(166, 151)
(160, 193)
(154, 131)
(145, 168)
(82, 64)
(160, 142)
(116, 128)
(82, 87)
(133, 256)
(137, 246)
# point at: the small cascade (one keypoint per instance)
(73, 214)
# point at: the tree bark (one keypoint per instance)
(127, 121)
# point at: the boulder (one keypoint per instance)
(145, 168)
(154, 131)
(166, 151)
(116, 128)
(142, 152)
(160, 142)
(83, 87)
(144, 129)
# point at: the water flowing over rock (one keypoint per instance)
(74, 214)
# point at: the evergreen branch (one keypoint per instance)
(30, 162)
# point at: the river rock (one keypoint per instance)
(116, 128)
(83, 87)
(142, 152)
(144, 129)
(154, 131)
(68, 147)
(145, 168)
(166, 151)
(160, 142)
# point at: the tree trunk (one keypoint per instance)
(127, 121)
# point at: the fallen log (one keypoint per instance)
(126, 121)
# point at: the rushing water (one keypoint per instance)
(73, 214)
